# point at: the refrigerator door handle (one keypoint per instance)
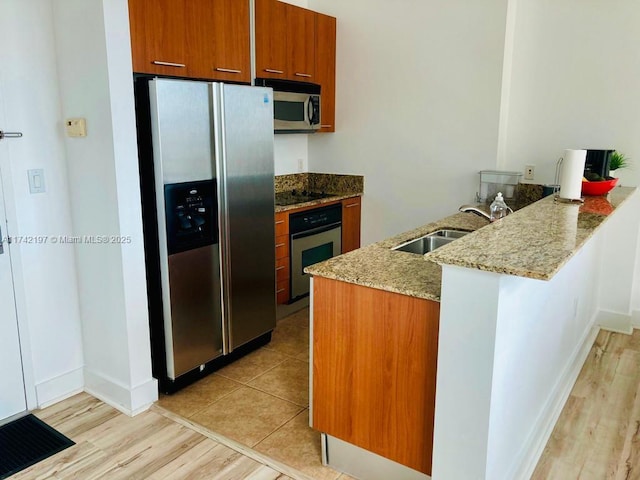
(223, 212)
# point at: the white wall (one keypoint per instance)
(93, 51)
(574, 83)
(503, 377)
(545, 330)
(291, 153)
(417, 105)
(45, 276)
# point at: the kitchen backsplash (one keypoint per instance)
(320, 182)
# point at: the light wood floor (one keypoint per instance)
(111, 445)
(596, 437)
(598, 433)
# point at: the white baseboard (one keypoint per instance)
(615, 322)
(635, 319)
(130, 401)
(535, 444)
(58, 388)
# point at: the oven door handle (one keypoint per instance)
(315, 231)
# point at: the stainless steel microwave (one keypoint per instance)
(296, 105)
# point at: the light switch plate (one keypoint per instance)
(36, 180)
(76, 127)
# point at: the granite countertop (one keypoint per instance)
(318, 201)
(533, 242)
(378, 266)
(338, 186)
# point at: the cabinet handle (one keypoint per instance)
(278, 245)
(271, 70)
(279, 222)
(281, 290)
(280, 268)
(303, 75)
(326, 126)
(352, 205)
(228, 70)
(169, 64)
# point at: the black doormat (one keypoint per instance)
(25, 442)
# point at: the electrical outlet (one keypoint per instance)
(300, 165)
(529, 172)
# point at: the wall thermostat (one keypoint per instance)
(76, 127)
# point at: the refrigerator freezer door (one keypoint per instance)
(181, 122)
(196, 334)
(244, 139)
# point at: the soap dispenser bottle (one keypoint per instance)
(498, 208)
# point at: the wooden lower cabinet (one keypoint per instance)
(282, 257)
(351, 213)
(374, 370)
(351, 210)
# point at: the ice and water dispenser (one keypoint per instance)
(191, 215)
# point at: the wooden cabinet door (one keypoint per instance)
(326, 69)
(218, 39)
(351, 211)
(301, 43)
(271, 38)
(282, 258)
(158, 37)
(374, 370)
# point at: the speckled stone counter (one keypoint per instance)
(320, 182)
(339, 186)
(320, 201)
(378, 266)
(533, 242)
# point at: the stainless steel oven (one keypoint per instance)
(316, 235)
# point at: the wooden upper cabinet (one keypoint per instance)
(326, 69)
(301, 43)
(218, 39)
(351, 214)
(271, 39)
(158, 37)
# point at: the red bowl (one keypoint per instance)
(598, 188)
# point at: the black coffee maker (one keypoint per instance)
(597, 161)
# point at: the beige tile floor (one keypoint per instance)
(262, 401)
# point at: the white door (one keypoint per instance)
(12, 393)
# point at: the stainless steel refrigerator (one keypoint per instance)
(207, 173)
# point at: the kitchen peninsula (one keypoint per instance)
(506, 315)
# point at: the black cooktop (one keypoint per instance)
(299, 196)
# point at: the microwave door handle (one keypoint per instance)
(311, 111)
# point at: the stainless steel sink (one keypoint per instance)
(445, 233)
(428, 243)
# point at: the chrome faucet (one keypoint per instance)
(477, 211)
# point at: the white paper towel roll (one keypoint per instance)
(571, 172)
